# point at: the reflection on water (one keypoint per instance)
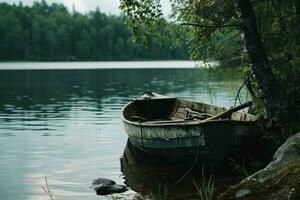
(66, 124)
(144, 173)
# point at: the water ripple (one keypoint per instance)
(69, 129)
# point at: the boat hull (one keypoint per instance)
(166, 137)
(163, 126)
(217, 138)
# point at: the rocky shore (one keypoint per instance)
(279, 180)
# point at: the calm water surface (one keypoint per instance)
(65, 124)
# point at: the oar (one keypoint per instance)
(229, 111)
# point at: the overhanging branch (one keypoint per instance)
(212, 26)
(259, 1)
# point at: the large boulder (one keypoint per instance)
(103, 186)
(279, 180)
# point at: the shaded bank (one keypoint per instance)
(279, 180)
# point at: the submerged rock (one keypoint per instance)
(103, 186)
(279, 180)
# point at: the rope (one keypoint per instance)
(191, 167)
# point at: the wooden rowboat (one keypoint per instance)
(165, 125)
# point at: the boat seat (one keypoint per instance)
(191, 114)
(184, 113)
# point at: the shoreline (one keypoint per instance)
(172, 64)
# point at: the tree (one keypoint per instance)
(45, 32)
(274, 96)
(202, 20)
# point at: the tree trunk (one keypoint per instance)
(279, 108)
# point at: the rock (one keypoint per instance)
(279, 180)
(242, 192)
(285, 155)
(103, 186)
(130, 195)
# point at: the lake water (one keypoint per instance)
(65, 124)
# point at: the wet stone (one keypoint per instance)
(103, 186)
(242, 193)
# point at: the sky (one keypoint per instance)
(83, 6)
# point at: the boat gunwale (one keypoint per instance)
(183, 123)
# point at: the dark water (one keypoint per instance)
(65, 125)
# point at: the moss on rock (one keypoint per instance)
(284, 184)
(279, 180)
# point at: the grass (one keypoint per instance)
(246, 169)
(239, 167)
(113, 198)
(160, 194)
(205, 189)
(47, 189)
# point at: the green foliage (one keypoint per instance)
(45, 32)
(212, 30)
(145, 18)
(212, 26)
(160, 194)
(205, 189)
(258, 107)
(278, 23)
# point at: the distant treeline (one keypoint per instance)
(45, 32)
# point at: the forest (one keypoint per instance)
(44, 32)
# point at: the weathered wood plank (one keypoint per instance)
(229, 112)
